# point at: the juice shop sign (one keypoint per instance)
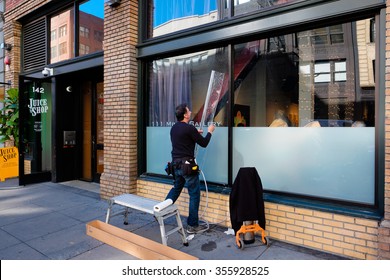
(38, 106)
(8, 154)
(9, 162)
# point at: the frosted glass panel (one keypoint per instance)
(328, 162)
(212, 159)
(158, 149)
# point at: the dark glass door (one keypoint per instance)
(35, 131)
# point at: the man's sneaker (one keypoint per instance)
(197, 229)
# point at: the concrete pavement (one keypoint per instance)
(47, 221)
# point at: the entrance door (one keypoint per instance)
(92, 126)
(35, 131)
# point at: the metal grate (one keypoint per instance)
(34, 44)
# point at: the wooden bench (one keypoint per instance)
(148, 205)
(133, 244)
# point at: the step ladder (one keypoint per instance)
(147, 205)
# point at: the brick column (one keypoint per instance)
(384, 229)
(12, 35)
(120, 99)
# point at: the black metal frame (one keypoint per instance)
(255, 25)
(25, 179)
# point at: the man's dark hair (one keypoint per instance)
(180, 111)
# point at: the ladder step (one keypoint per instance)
(173, 231)
(167, 215)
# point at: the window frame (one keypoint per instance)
(75, 46)
(227, 33)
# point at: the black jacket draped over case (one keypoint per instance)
(246, 199)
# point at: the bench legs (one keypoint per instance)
(160, 216)
(110, 214)
(126, 218)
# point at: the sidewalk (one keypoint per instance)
(47, 221)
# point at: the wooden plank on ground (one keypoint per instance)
(133, 244)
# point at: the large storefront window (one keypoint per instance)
(304, 112)
(191, 79)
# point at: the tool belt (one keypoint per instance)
(187, 165)
(190, 167)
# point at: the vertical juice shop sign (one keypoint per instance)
(38, 106)
(9, 162)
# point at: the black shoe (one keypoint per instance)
(197, 229)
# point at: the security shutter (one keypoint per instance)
(34, 45)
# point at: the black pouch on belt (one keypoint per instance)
(190, 167)
(169, 168)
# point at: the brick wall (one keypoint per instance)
(19, 8)
(12, 35)
(120, 99)
(342, 235)
(352, 237)
(384, 230)
(217, 210)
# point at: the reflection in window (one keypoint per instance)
(322, 36)
(53, 35)
(84, 32)
(62, 31)
(340, 71)
(326, 72)
(306, 82)
(303, 108)
(62, 49)
(297, 111)
(84, 49)
(98, 36)
(300, 114)
(192, 78)
(276, 44)
(186, 79)
(247, 6)
(91, 22)
(59, 25)
(53, 52)
(336, 34)
(372, 30)
(322, 72)
(168, 16)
